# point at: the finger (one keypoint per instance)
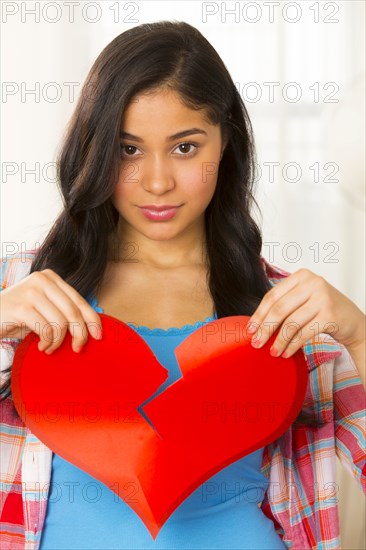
(62, 314)
(294, 329)
(33, 321)
(92, 319)
(299, 340)
(269, 299)
(281, 309)
(53, 327)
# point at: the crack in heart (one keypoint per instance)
(140, 409)
(158, 392)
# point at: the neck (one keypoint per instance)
(185, 249)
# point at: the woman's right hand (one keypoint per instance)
(45, 304)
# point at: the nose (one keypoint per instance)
(157, 177)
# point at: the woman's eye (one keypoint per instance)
(184, 148)
(128, 148)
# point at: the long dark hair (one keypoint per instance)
(149, 57)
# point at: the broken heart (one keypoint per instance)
(85, 408)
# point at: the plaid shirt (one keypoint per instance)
(301, 498)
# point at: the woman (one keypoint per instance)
(157, 173)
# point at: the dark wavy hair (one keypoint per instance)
(150, 57)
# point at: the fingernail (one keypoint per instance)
(256, 343)
(78, 350)
(97, 333)
(49, 351)
(274, 352)
(251, 328)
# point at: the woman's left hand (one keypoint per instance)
(304, 304)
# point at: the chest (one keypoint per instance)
(156, 298)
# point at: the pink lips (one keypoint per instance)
(158, 214)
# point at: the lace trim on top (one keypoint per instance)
(159, 331)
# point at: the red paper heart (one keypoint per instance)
(84, 407)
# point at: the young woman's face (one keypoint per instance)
(160, 169)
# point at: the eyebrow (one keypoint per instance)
(189, 132)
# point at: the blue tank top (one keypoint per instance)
(223, 512)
